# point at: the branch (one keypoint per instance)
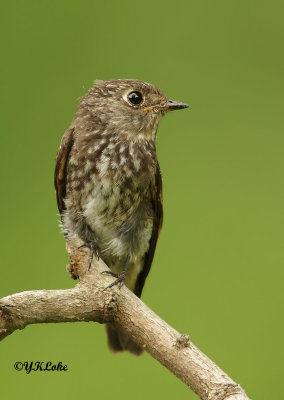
(87, 301)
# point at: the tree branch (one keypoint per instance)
(87, 301)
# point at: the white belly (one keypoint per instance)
(122, 221)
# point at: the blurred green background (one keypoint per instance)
(216, 273)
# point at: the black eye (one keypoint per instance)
(135, 98)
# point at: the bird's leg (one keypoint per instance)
(94, 249)
(120, 278)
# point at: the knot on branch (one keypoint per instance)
(110, 306)
(77, 258)
(182, 341)
(7, 323)
(5, 308)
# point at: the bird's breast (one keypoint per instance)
(115, 196)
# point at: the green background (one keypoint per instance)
(216, 273)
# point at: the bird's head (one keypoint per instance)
(128, 106)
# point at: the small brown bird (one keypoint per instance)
(108, 181)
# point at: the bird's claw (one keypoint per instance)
(120, 279)
(93, 250)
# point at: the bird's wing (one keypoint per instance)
(157, 202)
(60, 167)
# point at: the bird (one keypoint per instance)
(108, 182)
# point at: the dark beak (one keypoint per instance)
(171, 105)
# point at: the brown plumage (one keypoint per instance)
(108, 181)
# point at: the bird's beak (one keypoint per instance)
(171, 105)
(168, 105)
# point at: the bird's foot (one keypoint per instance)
(94, 250)
(120, 279)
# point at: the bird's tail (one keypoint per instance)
(119, 341)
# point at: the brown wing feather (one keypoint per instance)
(157, 201)
(60, 167)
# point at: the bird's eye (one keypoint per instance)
(135, 98)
